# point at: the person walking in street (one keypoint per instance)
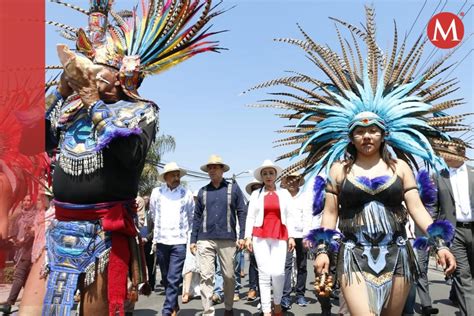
(456, 204)
(219, 205)
(24, 244)
(191, 277)
(173, 208)
(146, 233)
(101, 129)
(253, 270)
(269, 232)
(302, 208)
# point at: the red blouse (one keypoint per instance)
(272, 226)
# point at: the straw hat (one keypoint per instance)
(215, 160)
(266, 164)
(169, 167)
(296, 175)
(248, 187)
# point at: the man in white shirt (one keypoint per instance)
(173, 209)
(303, 208)
(456, 204)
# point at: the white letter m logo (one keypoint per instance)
(444, 35)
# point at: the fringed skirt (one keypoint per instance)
(377, 249)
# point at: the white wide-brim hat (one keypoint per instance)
(297, 175)
(248, 187)
(215, 160)
(266, 164)
(169, 167)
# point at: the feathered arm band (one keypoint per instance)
(323, 240)
(427, 189)
(440, 235)
(318, 195)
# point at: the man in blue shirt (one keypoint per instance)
(218, 206)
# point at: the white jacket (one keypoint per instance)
(255, 211)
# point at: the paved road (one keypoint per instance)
(150, 306)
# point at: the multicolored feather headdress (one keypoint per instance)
(381, 88)
(143, 42)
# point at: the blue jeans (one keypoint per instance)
(302, 273)
(218, 281)
(172, 257)
(253, 273)
(238, 262)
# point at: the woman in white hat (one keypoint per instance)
(268, 232)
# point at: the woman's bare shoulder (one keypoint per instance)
(402, 168)
(400, 163)
(337, 171)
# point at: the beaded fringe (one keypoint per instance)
(102, 261)
(83, 165)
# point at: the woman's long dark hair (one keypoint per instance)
(351, 156)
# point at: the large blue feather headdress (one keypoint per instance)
(379, 89)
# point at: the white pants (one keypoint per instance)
(270, 255)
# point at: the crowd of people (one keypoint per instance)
(275, 222)
(195, 239)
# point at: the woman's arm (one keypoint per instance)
(423, 219)
(331, 205)
(329, 218)
(415, 206)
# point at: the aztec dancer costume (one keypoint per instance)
(102, 148)
(382, 90)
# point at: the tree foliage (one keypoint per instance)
(149, 176)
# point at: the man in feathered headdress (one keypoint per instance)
(103, 129)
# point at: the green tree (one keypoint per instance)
(149, 177)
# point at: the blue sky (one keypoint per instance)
(200, 99)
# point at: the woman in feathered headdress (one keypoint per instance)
(346, 126)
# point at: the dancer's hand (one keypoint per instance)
(86, 87)
(193, 248)
(291, 244)
(63, 87)
(248, 244)
(447, 261)
(321, 263)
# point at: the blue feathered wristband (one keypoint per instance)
(323, 236)
(440, 234)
